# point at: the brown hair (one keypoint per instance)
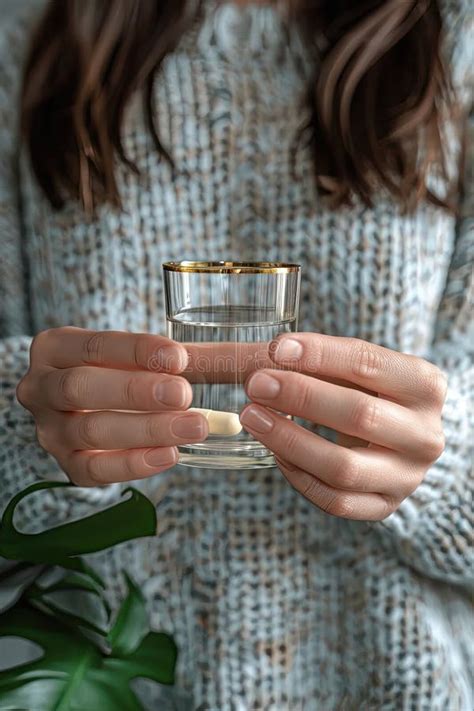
(377, 100)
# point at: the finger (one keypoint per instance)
(349, 411)
(74, 347)
(89, 388)
(364, 470)
(120, 430)
(344, 504)
(404, 378)
(102, 468)
(225, 362)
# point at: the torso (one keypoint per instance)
(265, 593)
(243, 189)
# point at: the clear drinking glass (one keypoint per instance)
(227, 313)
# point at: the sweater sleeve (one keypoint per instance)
(22, 460)
(433, 530)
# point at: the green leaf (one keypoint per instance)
(131, 624)
(74, 674)
(155, 658)
(76, 586)
(82, 667)
(75, 599)
(80, 566)
(15, 580)
(73, 581)
(133, 518)
(65, 615)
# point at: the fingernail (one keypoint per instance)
(170, 358)
(189, 426)
(288, 349)
(160, 457)
(171, 393)
(256, 419)
(263, 385)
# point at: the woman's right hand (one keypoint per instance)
(109, 405)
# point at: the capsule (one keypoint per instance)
(220, 423)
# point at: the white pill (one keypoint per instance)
(221, 423)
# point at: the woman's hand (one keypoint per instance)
(109, 406)
(398, 413)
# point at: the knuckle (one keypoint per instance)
(292, 444)
(435, 381)
(141, 356)
(43, 435)
(39, 341)
(347, 473)
(151, 430)
(303, 398)
(340, 505)
(317, 358)
(89, 431)
(414, 479)
(433, 444)
(131, 392)
(389, 505)
(127, 465)
(366, 361)
(311, 490)
(66, 461)
(94, 348)
(365, 415)
(23, 391)
(72, 476)
(71, 385)
(95, 469)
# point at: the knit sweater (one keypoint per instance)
(275, 605)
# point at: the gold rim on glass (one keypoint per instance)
(232, 267)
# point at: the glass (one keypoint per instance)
(232, 310)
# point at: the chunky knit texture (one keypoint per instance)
(275, 605)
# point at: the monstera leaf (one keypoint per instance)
(133, 518)
(73, 673)
(52, 600)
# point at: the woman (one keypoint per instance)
(310, 132)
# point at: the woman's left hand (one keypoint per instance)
(396, 412)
